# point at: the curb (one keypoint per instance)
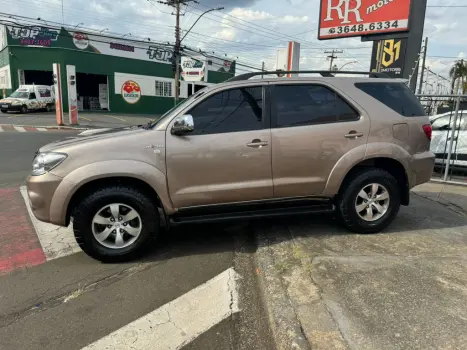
(45, 127)
(286, 329)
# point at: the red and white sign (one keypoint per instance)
(346, 18)
(131, 92)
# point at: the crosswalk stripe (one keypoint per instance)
(41, 129)
(56, 241)
(179, 322)
(19, 129)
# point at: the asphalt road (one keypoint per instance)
(71, 302)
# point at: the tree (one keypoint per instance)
(458, 71)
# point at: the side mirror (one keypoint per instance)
(183, 124)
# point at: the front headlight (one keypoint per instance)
(45, 162)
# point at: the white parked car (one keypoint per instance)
(29, 98)
(442, 132)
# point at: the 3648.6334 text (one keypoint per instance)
(367, 27)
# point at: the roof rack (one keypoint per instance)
(324, 73)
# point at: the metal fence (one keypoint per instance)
(448, 117)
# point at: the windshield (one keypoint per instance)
(179, 106)
(20, 94)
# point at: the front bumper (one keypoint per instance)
(422, 166)
(10, 108)
(41, 190)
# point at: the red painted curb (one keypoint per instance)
(20, 246)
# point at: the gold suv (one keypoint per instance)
(243, 149)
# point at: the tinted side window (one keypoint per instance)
(229, 111)
(298, 105)
(396, 96)
(32, 96)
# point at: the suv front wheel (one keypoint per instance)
(369, 202)
(115, 223)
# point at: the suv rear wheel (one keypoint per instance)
(370, 201)
(115, 223)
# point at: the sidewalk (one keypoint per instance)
(405, 288)
(86, 120)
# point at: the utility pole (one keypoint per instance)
(176, 56)
(262, 69)
(177, 51)
(332, 57)
(425, 48)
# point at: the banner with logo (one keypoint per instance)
(393, 57)
(131, 92)
(346, 18)
(38, 36)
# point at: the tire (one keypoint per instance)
(349, 200)
(24, 109)
(48, 108)
(86, 230)
(4, 111)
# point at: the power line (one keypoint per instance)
(453, 6)
(453, 57)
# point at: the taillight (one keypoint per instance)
(428, 131)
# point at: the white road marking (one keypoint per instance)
(56, 241)
(112, 116)
(41, 129)
(1, 130)
(19, 129)
(179, 322)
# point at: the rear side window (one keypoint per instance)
(298, 105)
(396, 96)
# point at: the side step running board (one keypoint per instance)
(245, 215)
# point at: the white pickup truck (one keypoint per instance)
(29, 98)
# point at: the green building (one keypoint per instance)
(114, 74)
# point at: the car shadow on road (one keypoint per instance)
(203, 239)
(216, 238)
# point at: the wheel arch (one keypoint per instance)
(89, 187)
(391, 165)
(80, 182)
(387, 156)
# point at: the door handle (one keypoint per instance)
(257, 143)
(353, 135)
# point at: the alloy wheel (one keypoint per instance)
(116, 226)
(372, 202)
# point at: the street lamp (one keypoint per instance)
(347, 64)
(210, 10)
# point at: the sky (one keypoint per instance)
(250, 31)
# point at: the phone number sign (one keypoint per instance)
(346, 18)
